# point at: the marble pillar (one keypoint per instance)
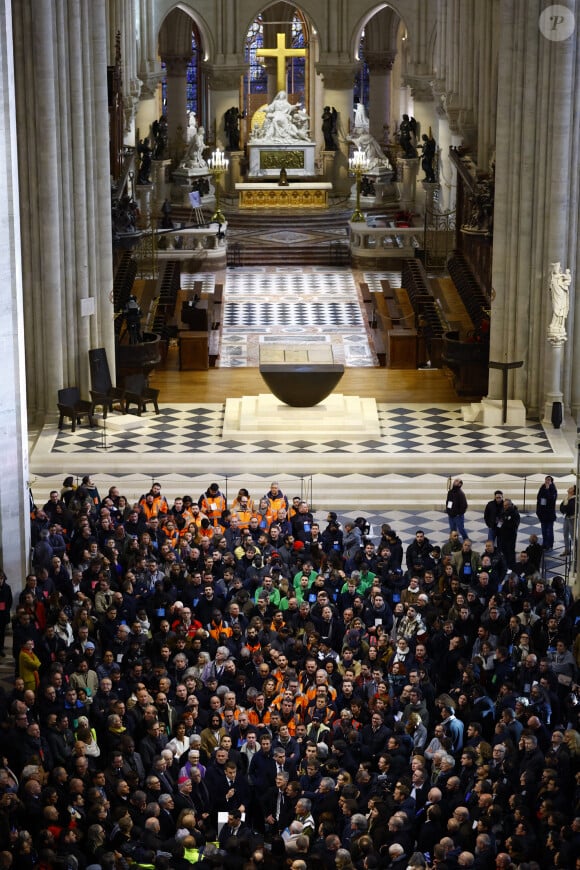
(14, 473)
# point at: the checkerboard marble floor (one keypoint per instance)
(293, 306)
(296, 305)
(181, 429)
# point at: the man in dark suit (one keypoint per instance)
(375, 735)
(234, 829)
(166, 820)
(276, 807)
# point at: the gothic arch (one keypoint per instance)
(207, 40)
(364, 20)
(306, 14)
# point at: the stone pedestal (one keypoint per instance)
(234, 174)
(254, 417)
(553, 377)
(143, 196)
(160, 176)
(407, 171)
(385, 188)
(268, 158)
(328, 165)
(183, 182)
(490, 412)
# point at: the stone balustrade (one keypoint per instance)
(376, 242)
(202, 242)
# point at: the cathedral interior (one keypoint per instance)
(491, 86)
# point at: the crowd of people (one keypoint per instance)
(238, 685)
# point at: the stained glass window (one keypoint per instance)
(192, 76)
(361, 80)
(256, 80)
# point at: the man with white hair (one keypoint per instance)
(290, 835)
(398, 859)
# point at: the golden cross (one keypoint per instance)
(281, 53)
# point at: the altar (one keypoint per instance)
(268, 158)
(297, 194)
(305, 377)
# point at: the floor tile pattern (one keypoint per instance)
(292, 305)
(433, 430)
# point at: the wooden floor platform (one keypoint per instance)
(384, 385)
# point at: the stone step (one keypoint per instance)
(356, 491)
(277, 255)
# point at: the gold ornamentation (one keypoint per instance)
(283, 197)
(282, 159)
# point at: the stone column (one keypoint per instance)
(122, 21)
(176, 70)
(536, 216)
(14, 473)
(338, 83)
(62, 118)
(380, 64)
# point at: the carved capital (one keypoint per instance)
(149, 84)
(420, 87)
(453, 119)
(224, 77)
(438, 87)
(339, 76)
(130, 104)
(176, 65)
(557, 338)
(380, 61)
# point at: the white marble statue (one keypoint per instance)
(283, 123)
(191, 126)
(361, 120)
(560, 296)
(376, 157)
(193, 158)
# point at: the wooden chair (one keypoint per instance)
(138, 393)
(114, 395)
(71, 406)
(103, 392)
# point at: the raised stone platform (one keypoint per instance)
(405, 467)
(298, 194)
(339, 416)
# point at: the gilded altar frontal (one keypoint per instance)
(282, 159)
